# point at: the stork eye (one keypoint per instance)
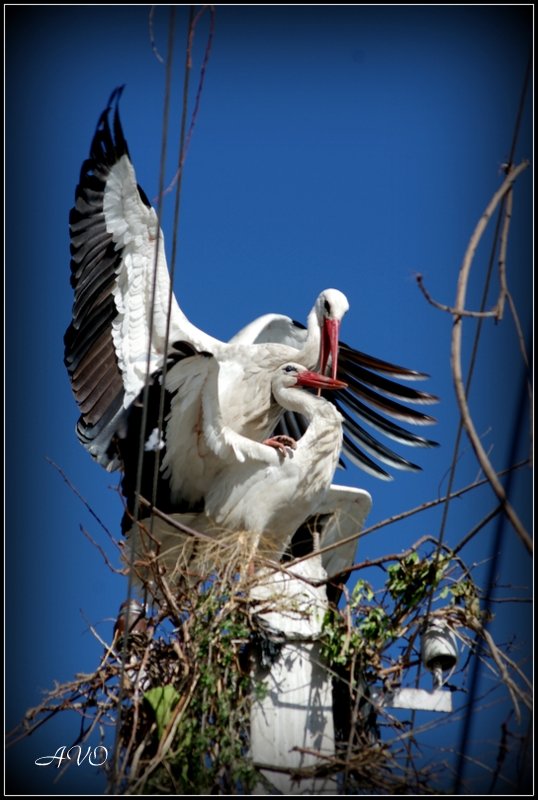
(327, 307)
(289, 368)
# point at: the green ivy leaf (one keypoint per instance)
(162, 699)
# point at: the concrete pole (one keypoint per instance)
(297, 709)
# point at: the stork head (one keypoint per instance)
(331, 306)
(296, 375)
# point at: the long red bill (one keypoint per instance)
(329, 345)
(314, 380)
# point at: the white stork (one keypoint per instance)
(114, 232)
(259, 489)
(265, 492)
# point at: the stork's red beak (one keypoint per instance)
(314, 380)
(329, 345)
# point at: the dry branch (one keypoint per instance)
(456, 357)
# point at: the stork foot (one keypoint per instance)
(281, 442)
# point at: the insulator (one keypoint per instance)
(439, 651)
(131, 613)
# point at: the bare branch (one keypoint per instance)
(405, 514)
(508, 205)
(478, 527)
(449, 309)
(85, 502)
(199, 90)
(103, 554)
(456, 359)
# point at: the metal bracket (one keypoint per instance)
(418, 699)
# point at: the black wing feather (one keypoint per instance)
(370, 392)
(89, 353)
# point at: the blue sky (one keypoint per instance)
(335, 146)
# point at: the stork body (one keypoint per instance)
(255, 489)
(258, 489)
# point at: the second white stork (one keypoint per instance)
(265, 492)
(261, 490)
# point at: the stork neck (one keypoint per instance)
(309, 355)
(323, 436)
(303, 402)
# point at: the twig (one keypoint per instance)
(156, 53)
(174, 523)
(405, 514)
(498, 656)
(508, 206)
(449, 309)
(198, 97)
(478, 527)
(456, 358)
(108, 648)
(381, 560)
(167, 738)
(136, 711)
(104, 555)
(85, 502)
(517, 669)
(501, 756)
(202, 69)
(515, 599)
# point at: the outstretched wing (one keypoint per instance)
(121, 289)
(272, 328)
